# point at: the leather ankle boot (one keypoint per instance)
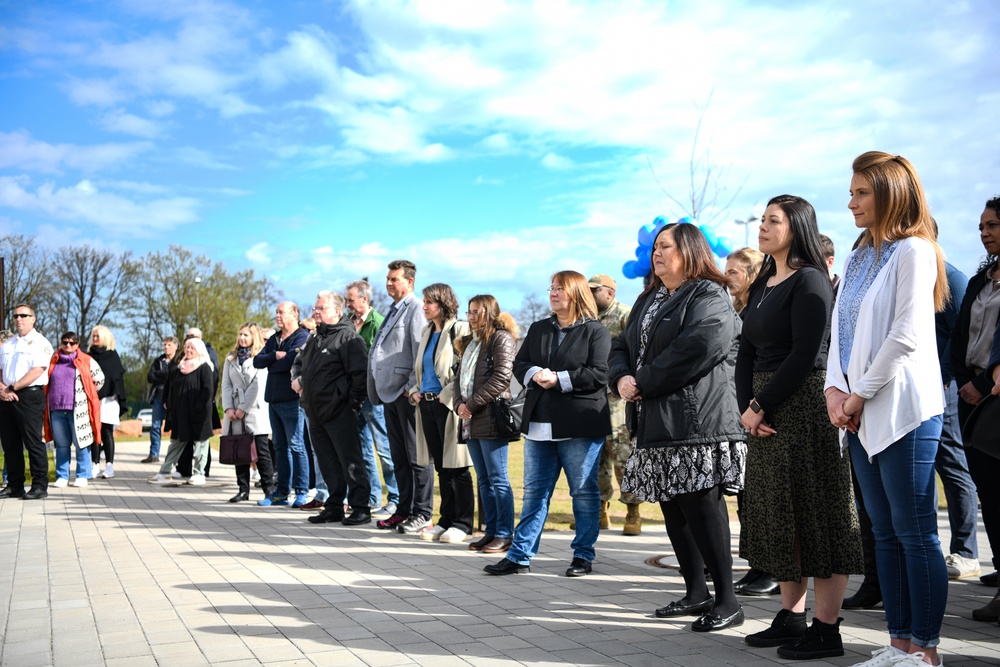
(633, 522)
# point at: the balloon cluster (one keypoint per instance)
(641, 265)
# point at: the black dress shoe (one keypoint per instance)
(990, 579)
(329, 515)
(578, 568)
(682, 608)
(506, 567)
(6, 492)
(242, 495)
(35, 494)
(765, 584)
(358, 517)
(712, 621)
(751, 576)
(868, 596)
(480, 543)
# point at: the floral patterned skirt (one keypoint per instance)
(661, 473)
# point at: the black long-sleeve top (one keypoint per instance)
(786, 329)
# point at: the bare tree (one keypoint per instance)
(708, 199)
(27, 277)
(532, 309)
(93, 287)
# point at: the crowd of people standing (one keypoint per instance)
(825, 403)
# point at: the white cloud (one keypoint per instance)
(19, 150)
(119, 120)
(553, 161)
(85, 203)
(259, 254)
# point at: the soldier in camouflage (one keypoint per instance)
(618, 446)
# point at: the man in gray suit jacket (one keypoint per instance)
(391, 364)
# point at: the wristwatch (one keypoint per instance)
(755, 406)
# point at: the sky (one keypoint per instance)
(492, 143)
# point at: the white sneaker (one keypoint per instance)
(61, 483)
(254, 475)
(960, 567)
(109, 471)
(431, 533)
(913, 660)
(80, 482)
(454, 536)
(95, 472)
(885, 656)
(197, 480)
(159, 479)
(176, 475)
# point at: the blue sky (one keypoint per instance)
(492, 143)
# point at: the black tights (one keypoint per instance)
(107, 444)
(698, 527)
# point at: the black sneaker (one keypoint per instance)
(820, 640)
(786, 628)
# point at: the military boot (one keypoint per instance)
(633, 522)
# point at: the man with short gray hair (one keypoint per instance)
(331, 375)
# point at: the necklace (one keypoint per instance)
(766, 293)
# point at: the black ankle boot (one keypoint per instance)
(786, 628)
(821, 640)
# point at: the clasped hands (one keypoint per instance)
(844, 409)
(628, 389)
(7, 394)
(545, 378)
(235, 414)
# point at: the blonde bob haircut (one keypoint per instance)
(901, 209)
(256, 341)
(104, 335)
(581, 300)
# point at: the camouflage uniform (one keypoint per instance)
(617, 446)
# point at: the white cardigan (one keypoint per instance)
(243, 388)
(894, 362)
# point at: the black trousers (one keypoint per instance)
(107, 444)
(416, 482)
(20, 429)
(337, 445)
(264, 467)
(457, 498)
(186, 461)
(985, 471)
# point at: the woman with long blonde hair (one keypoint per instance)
(884, 391)
(111, 395)
(244, 406)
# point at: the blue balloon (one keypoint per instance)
(686, 220)
(646, 234)
(709, 235)
(643, 261)
(722, 248)
(629, 269)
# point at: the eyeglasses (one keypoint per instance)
(555, 289)
(321, 308)
(472, 313)
(18, 316)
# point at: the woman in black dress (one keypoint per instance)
(674, 366)
(800, 518)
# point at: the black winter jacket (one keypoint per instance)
(583, 354)
(982, 381)
(686, 380)
(188, 398)
(333, 371)
(157, 377)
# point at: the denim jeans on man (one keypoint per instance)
(287, 423)
(959, 489)
(156, 428)
(543, 459)
(64, 436)
(900, 494)
(489, 458)
(375, 443)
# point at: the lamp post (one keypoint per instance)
(197, 300)
(746, 227)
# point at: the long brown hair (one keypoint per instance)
(750, 260)
(696, 256)
(256, 340)
(581, 299)
(492, 320)
(901, 209)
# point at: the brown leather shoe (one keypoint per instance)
(312, 506)
(150, 459)
(498, 545)
(480, 543)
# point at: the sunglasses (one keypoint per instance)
(69, 342)
(18, 316)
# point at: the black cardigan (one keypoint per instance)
(686, 380)
(583, 354)
(960, 337)
(188, 399)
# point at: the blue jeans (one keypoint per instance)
(959, 489)
(156, 430)
(375, 441)
(543, 460)
(900, 493)
(489, 458)
(287, 422)
(64, 436)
